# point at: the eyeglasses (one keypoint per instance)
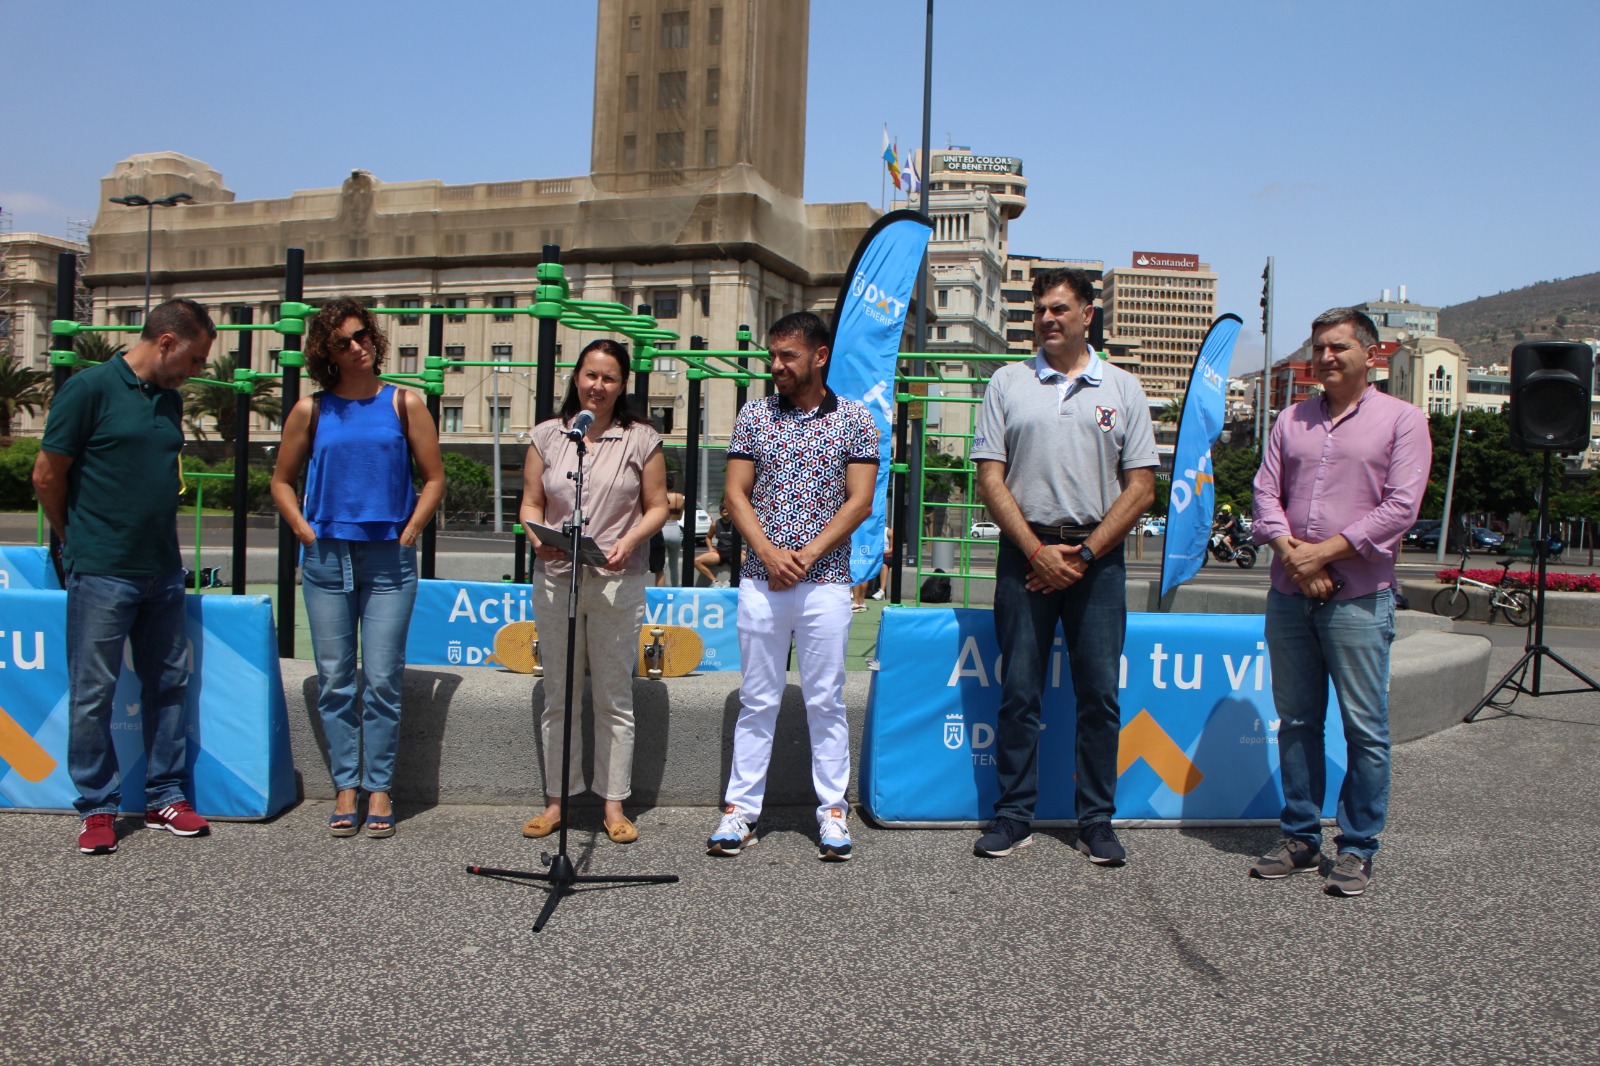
(340, 342)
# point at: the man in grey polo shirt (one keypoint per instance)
(1066, 465)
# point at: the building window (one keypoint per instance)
(450, 419)
(635, 32)
(630, 151)
(940, 332)
(672, 88)
(504, 301)
(675, 29)
(713, 86)
(499, 418)
(500, 353)
(665, 303)
(272, 357)
(408, 360)
(630, 93)
(669, 151)
(944, 297)
(455, 301)
(454, 354)
(665, 365)
(131, 316)
(709, 149)
(714, 26)
(702, 296)
(409, 301)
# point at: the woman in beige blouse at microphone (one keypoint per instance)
(624, 504)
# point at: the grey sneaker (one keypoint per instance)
(1350, 876)
(1288, 856)
(734, 833)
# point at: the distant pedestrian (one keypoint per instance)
(107, 479)
(802, 467)
(1341, 482)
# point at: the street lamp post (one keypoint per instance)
(150, 206)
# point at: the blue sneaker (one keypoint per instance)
(1099, 842)
(833, 837)
(734, 832)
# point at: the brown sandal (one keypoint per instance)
(623, 832)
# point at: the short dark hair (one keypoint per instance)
(184, 319)
(1366, 332)
(622, 414)
(803, 324)
(1079, 281)
(319, 359)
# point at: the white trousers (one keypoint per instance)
(610, 610)
(817, 619)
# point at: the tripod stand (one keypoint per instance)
(561, 875)
(1535, 649)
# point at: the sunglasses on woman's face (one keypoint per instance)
(340, 342)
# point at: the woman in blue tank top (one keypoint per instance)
(359, 525)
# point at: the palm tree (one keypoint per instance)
(23, 390)
(98, 347)
(210, 408)
(1173, 412)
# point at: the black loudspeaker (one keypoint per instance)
(1550, 386)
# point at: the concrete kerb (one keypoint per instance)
(471, 736)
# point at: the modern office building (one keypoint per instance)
(693, 206)
(1166, 301)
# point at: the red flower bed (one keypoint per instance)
(1552, 582)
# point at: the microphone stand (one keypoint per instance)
(561, 875)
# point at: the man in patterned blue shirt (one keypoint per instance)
(802, 466)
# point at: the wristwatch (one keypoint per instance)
(1086, 553)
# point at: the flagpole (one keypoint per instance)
(913, 533)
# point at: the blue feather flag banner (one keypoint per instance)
(1193, 499)
(869, 318)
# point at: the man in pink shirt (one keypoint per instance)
(1340, 483)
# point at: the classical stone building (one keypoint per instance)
(28, 304)
(693, 206)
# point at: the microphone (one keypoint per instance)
(580, 425)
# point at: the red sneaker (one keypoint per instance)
(98, 835)
(178, 818)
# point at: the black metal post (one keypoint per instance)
(430, 532)
(241, 454)
(544, 393)
(66, 288)
(294, 280)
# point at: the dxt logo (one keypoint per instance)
(1187, 488)
(879, 304)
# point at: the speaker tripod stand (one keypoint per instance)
(1535, 651)
(561, 876)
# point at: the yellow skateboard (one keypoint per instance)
(664, 651)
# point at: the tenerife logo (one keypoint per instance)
(453, 651)
(955, 731)
(1189, 487)
(877, 304)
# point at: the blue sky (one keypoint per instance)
(1449, 146)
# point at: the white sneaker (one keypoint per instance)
(833, 837)
(733, 834)
(878, 595)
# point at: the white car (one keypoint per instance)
(984, 531)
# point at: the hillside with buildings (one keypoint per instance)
(1489, 327)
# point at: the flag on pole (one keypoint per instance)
(913, 181)
(1193, 497)
(891, 157)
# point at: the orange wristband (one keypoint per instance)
(1036, 551)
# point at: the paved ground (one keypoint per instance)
(274, 943)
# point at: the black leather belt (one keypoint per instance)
(1065, 532)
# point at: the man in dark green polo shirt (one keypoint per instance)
(107, 478)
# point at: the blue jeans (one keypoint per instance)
(1346, 641)
(359, 590)
(103, 614)
(1093, 613)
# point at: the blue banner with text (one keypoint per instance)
(1199, 732)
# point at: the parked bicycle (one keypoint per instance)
(1508, 595)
